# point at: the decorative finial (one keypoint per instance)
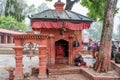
(59, 6)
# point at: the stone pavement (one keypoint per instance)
(62, 77)
(68, 77)
(93, 75)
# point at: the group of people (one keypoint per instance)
(115, 48)
(79, 61)
(94, 47)
(95, 50)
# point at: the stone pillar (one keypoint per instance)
(5, 38)
(0, 38)
(70, 58)
(52, 49)
(80, 39)
(42, 62)
(19, 66)
(11, 39)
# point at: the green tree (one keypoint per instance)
(70, 3)
(30, 10)
(42, 7)
(95, 31)
(16, 9)
(11, 23)
(95, 7)
(2, 7)
(103, 61)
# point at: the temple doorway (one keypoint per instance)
(61, 52)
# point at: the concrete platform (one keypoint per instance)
(92, 75)
(63, 69)
(115, 66)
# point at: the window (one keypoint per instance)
(2, 38)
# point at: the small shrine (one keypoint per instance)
(58, 34)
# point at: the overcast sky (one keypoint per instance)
(76, 8)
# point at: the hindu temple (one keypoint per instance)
(58, 35)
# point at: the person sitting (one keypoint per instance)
(79, 61)
(113, 51)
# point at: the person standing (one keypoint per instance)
(113, 51)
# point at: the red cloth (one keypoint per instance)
(83, 64)
(42, 24)
(59, 51)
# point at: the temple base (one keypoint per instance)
(19, 77)
(42, 76)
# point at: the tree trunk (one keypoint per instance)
(103, 61)
(70, 3)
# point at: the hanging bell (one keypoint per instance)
(30, 46)
(30, 54)
(76, 44)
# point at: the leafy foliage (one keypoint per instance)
(42, 7)
(95, 31)
(11, 23)
(16, 9)
(96, 8)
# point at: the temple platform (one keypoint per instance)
(60, 69)
(92, 75)
(67, 72)
(55, 71)
(115, 66)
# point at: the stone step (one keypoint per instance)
(62, 71)
(67, 77)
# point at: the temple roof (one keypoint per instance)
(58, 18)
(9, 31)
(65, 15)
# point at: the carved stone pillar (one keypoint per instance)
(0, 38)
(52, 49)
(42, 62)
(70, 59)
(19, 67)
(11, 39)
(5, 39)
(80, 39)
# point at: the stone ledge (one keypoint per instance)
(62, 70)
(115, 66)
(92, 75)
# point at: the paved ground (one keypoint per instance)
(63, 77)
(8, 61)
(68, 77)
